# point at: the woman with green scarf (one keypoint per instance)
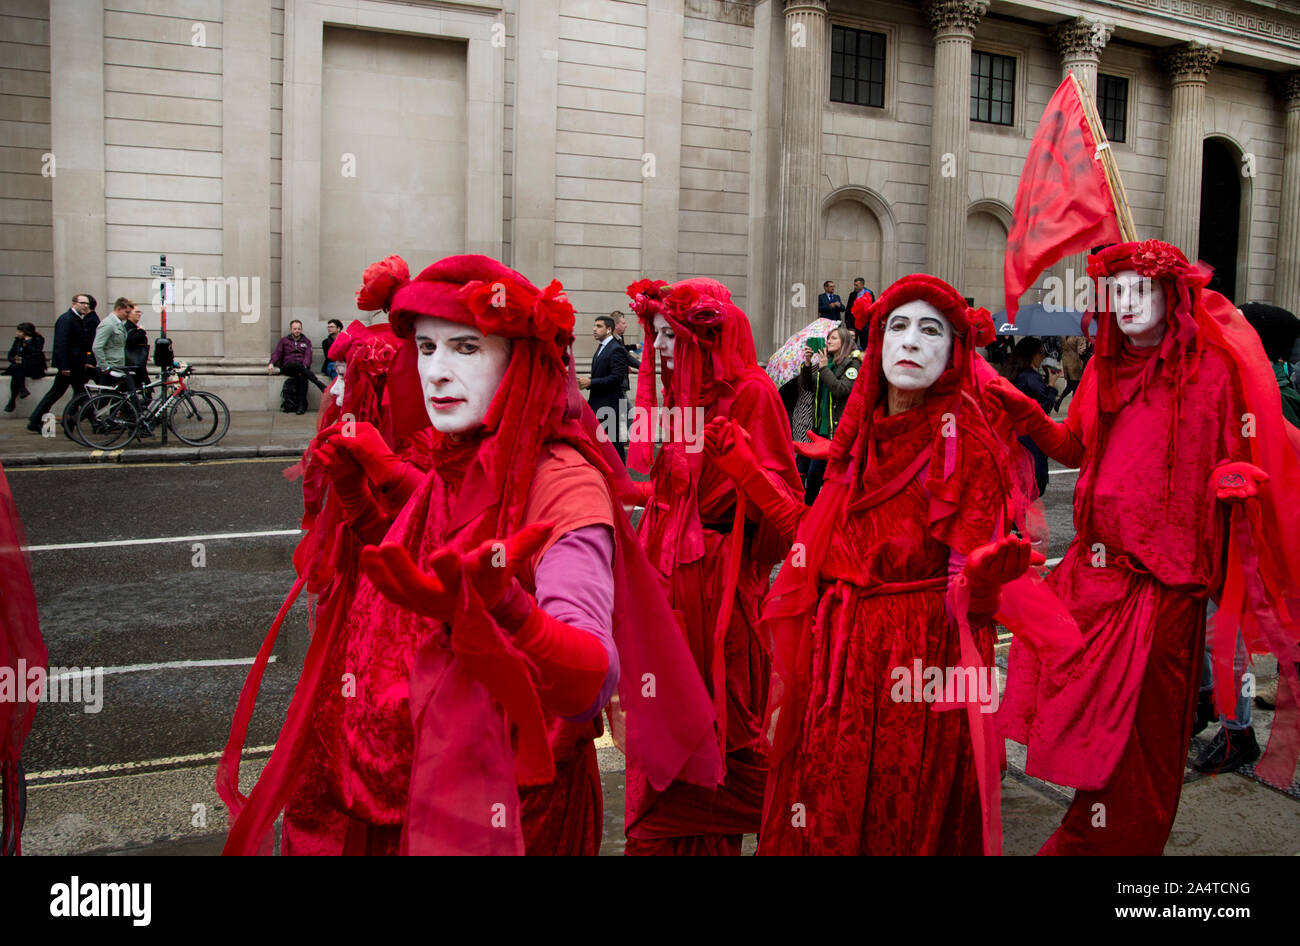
(829, 374)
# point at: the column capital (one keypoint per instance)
(1080, 38)
(955, 16)
(1288, 86)
(805, 6)
(1190, 62)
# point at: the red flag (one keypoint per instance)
(1063, 203)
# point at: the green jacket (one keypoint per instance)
(831, 386)
(110, 342)
(1290, 396)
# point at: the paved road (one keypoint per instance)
(176, 639)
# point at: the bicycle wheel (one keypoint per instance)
(198, 418)
(70, 417)
(107, 420)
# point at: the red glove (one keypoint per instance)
(392, 570)
(1238, 481)
(727, 444)
(394, 479)
(817, 447)
(990, 567)
(1029, 420)
(348, 480)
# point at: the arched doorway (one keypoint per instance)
(986, 251)
(851, 243)
(1220, 241)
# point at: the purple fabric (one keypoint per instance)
(291, 351)
(575, 584)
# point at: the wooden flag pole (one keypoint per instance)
(1119, 197)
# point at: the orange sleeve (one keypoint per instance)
(568, 491)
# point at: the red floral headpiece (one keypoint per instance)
(699, 305)
(515, 308)
(380, 282)
(648, 296)
(1154, 259)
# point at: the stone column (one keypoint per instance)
(77, 144)
(1286, 289)
(1079, 43)
(661, 193)
(1188, 66)
(953, 22)
(246, 182)
(537, 31)
(806, 86)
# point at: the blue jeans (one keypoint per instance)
(1242, 717)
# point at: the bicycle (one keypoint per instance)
(197, 418)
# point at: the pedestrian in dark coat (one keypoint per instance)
(26, 360)
(74, 334)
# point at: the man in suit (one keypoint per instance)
(829, 305)
(608, 377)
(74, 334)
(859, 289)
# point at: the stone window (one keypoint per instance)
(992, 88)
(857, 67)
(1112, 104)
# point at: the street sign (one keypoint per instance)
(156, 270)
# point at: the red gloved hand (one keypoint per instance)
(395, 574)
(493, 569)
(367, 446)
(817, 447)
(726, 443)
(346, 475)
(990, 567)
(1238, 481)
(1020, 407)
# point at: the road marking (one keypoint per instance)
(1054, 472)
(160, 541)
(10, 471)
(138, 764)
(168, 665)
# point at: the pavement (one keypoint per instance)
(251, 434)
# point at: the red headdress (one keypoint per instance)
(1261, 592)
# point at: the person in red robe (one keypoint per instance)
(713, 548)
(464, 692)
(1186, 491)
(908, 533)
(338, 516)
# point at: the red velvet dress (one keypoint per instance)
(1148, 551)
(867, 774)
(687, 819)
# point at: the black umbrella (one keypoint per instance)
(1040, 321)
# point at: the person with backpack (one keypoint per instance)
(26, 360)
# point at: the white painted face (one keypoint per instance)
(665, 340)
(917, 346)
(336, 388)
(1139, 306)
(460, 371)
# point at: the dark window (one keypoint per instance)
(992, 88)
(1112, 103)
(857, 67)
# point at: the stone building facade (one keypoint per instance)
(272, 148)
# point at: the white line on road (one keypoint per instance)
(1054, 472)
(138, 764)
(169, 665)
(159, 541)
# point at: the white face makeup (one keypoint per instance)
(337, 387)
(665, 340)
(917, 346)
(460, 371)
(1139, 306)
